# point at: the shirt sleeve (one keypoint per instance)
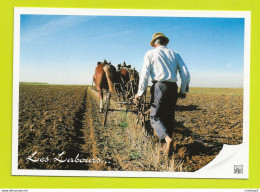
(184, 74)
(144, 75)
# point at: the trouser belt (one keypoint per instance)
(165, 82)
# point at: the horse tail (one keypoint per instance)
(109, 75)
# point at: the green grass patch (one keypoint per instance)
(123, 124)
(134, 156)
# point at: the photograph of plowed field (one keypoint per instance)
(61, 128)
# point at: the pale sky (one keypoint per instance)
(65, 49)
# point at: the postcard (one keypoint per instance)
(131, 93)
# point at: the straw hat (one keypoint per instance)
(158, 35)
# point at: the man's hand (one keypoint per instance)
(137, 97)
(182, 95)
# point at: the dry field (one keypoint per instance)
(60, 128)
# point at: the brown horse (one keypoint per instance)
(123, 81)
(103, 78)
(126, 80)
(133, 81)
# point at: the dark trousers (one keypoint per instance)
(164, 96)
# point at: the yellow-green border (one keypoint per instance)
(6, 53)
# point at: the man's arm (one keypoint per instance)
(143, 82)
(184, 74)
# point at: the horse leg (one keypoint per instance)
(101, 106)
(108, 73)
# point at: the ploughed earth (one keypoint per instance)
(60, 127)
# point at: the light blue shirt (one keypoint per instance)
(162, 64)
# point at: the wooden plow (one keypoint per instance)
(124, 96)
(141, 108)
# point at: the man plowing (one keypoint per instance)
(162, 65)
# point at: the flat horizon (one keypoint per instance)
(22, 82)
